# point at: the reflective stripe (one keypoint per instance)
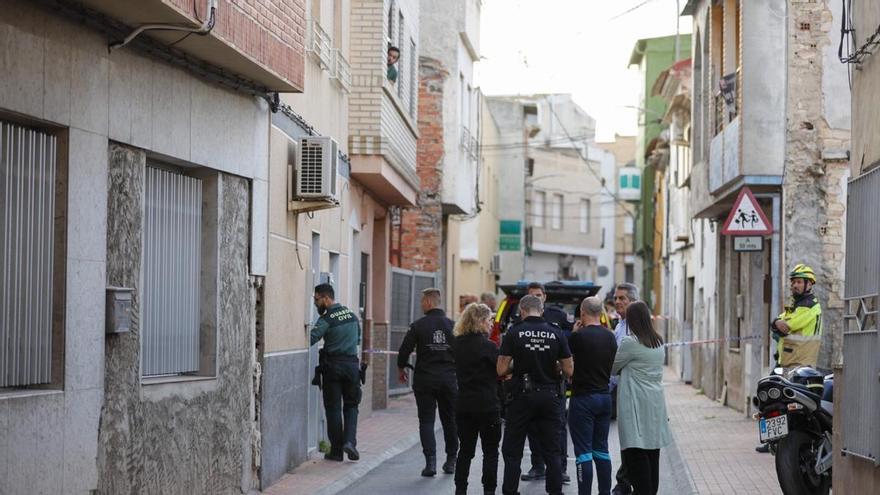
(588, 457)
(601, 455)
(797, 337)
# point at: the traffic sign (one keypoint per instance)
(746, 217)
(748, 244)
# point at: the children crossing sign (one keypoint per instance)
(746, 217)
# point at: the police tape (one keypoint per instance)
(379, 351)
(668, 344)
(711, 341)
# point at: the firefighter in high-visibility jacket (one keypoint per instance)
(798, 330)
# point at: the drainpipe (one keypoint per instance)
(205, 28)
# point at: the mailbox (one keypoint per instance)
(118, 309)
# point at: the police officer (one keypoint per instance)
(559, 318)
(534, 352)
(434, 382)
(341, 331)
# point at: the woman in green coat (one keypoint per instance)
(642, 423)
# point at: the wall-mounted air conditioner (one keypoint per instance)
(495, 264)
(316, 168)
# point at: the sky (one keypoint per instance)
(580, 47)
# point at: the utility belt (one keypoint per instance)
(525, 384)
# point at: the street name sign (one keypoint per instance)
(746, 217)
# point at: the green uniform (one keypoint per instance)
(340, 329)
(804, 319)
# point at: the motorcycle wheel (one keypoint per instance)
(795, 460)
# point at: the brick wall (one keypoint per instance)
(271, 32)
(420, 230)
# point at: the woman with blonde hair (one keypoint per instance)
(477, 411)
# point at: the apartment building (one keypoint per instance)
(135, 186)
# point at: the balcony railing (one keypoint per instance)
(341, 70)
(319, 45)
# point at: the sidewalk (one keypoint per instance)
(717, 444)
(382, 436)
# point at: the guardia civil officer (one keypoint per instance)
(434, 382)
(340, 373)
(533, 352)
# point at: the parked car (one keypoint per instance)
(565, 295)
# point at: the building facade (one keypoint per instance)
(567, 182)
(855, 392)
(780, 128)
(652, 56)
(148, 159)
(628, 186)
(428, 238)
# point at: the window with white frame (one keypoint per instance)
(538, 208)
(413, 77)
(29, 247)
(402, 76)
(389, 34)
(557, 212)
(585, 216)
(171, 273)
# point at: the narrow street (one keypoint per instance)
(713, 454)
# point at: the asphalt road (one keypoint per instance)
(400, 474)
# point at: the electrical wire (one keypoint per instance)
(631, 9)
(587, 161)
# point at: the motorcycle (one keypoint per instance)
(795, 418)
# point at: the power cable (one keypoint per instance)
(587, 162)
(631, 9)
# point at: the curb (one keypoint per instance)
(365, 466)
(682, 481)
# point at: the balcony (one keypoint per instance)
(241, 41)
(724, 159)
(383, 130)
(319, 46)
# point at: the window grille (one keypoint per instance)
(171, 278)
(27, 250)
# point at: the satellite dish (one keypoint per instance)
(603, 271)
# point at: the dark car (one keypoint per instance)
(564, 295)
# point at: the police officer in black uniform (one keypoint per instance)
(434, 381)
(559, 318)
(534, 352)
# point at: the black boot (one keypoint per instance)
(449, 465)
(430, 465)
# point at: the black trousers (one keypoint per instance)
(643, 470)
(540, 408)
(486, 425)
(537, 457)
(430, 398)
(342, 395)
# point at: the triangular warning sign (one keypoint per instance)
(746, 217)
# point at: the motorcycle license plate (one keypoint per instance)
(773, 428)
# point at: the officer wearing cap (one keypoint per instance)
(533, 352)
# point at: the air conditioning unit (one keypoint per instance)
(495, 265)
(316, 167)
